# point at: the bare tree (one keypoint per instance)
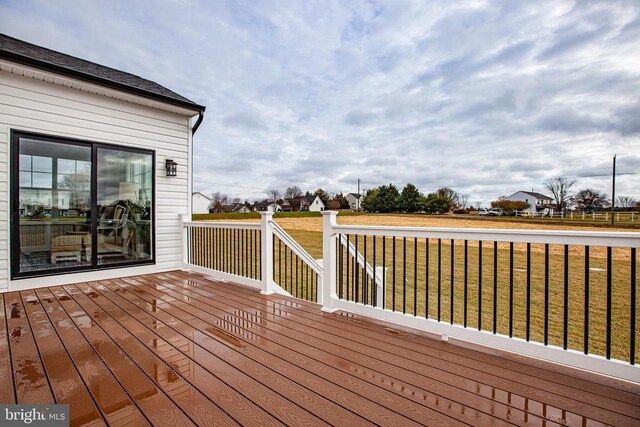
(449, 195)
(292, 192)
(626, 202)
(236, 200)
(463, 198)
(273, 195)
(218, 200)
(590, 199)
(560, 187)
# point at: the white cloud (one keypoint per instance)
(486, 96)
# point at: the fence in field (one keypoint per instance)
(621, 217)
(564, 296)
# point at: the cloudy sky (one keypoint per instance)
(487, 97)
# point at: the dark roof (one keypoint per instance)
(356, 195)
(538, 195)
(46, 59)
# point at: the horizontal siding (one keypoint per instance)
(35, 106)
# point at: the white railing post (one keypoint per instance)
(327, 295)
(184, 218)
(382, 273)
(266, 252)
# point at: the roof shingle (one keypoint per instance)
(29, 54)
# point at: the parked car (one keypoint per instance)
(490, 212)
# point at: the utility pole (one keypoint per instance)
(359, 195)
(613, 190)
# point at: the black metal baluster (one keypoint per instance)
(365, 295)
(495, 287)
(466, 280)
(480, 285)
(375, 284)
(426, 278)
(609, 301)
(415, 276)
(404, 275)
(546, 294)
(306, 283)
(451, 295)
(356, 267)
(384, 269)
(341, 267)
(632, 332)
(586, 299)
(528, 332)
(565, 336)
(291, 271)
(348, 254)
(511, 289)
(280, 263)
(259, 254)
(393, 269)
(439, 275)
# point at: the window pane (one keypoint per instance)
(55, 222)
(124, 206)
(42, 164)
(25, 179)
(42, 180)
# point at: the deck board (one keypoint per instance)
(178, 348)
(32, 385)
(7, 391)
(66, 384)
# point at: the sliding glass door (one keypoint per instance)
(125, 191)
(79, 206)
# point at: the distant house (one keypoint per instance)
(354, 200)
(236, 208)
(200, 203)
(266, 206)
(535, 200)
(303, 203)
(314, 204)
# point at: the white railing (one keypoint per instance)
(245, 253)
(468, 285)
(535, 283)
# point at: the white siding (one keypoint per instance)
(32, 105)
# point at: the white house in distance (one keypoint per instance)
(354, 200)
(314, 203)
(200, 203)
(535, 200)
(115, 149)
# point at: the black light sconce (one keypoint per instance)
(172, 167)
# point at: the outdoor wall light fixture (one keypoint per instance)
(172, 167)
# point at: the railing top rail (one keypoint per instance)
(584, 238)
(293, 245)
(244, 225)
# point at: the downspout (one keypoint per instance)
(193, 132)
(198, 122)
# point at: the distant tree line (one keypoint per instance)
(387, 198)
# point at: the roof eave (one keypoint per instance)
(46, 66)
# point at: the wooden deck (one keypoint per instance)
(179, 349)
